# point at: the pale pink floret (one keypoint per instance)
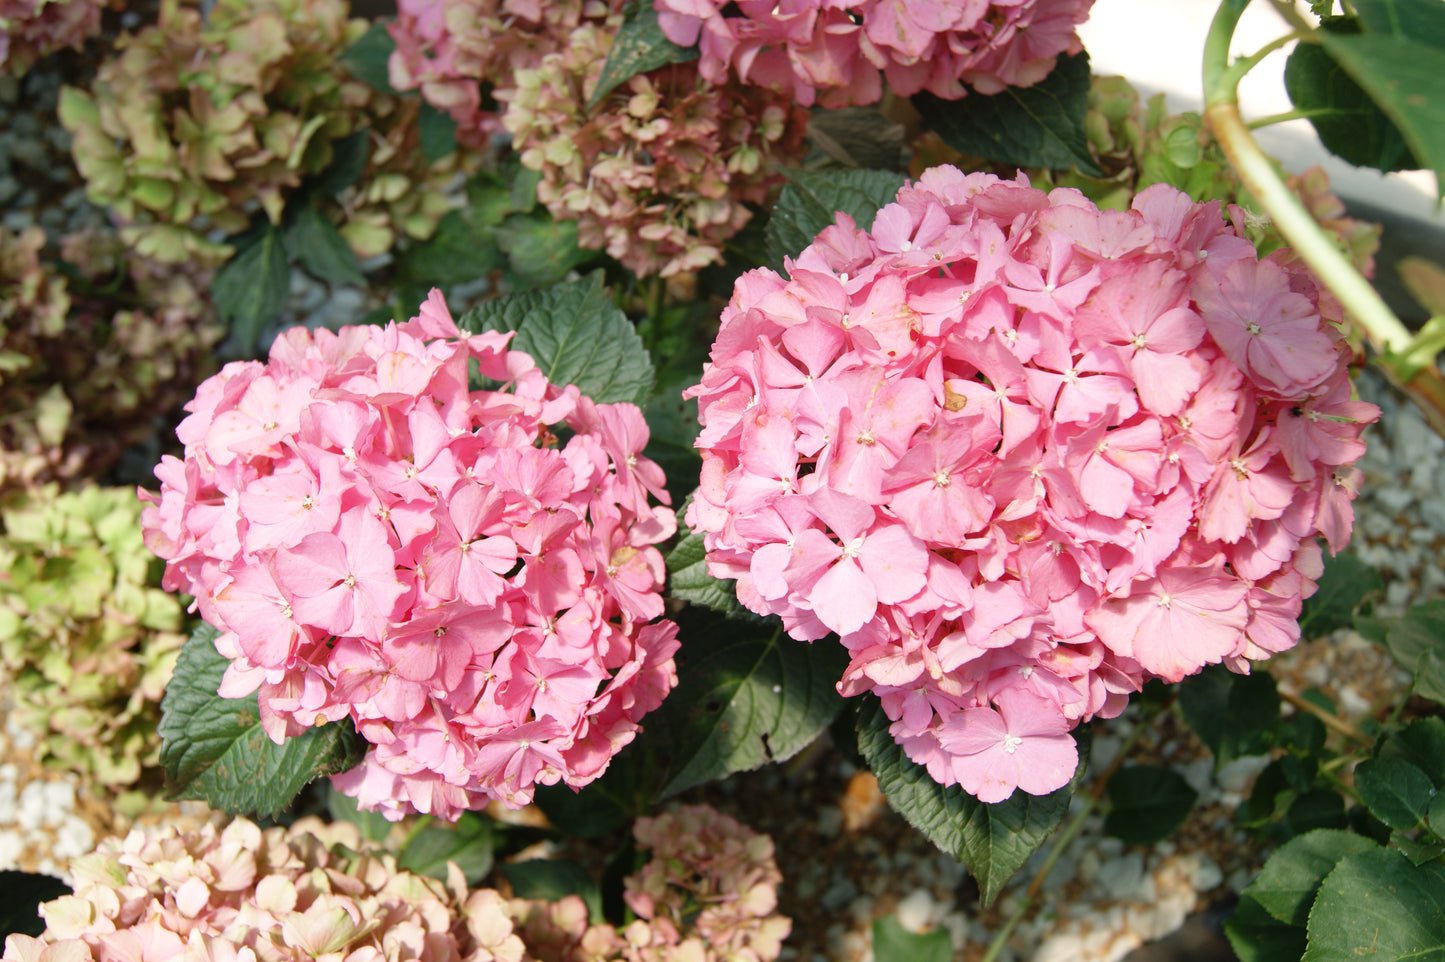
(378, 542)
(1025, 471)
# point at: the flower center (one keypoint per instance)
(1011, 743)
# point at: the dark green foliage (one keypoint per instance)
(993, 841)
(1147, 803)
(1038, 126)
(576, 335)
(747, 695)
(640, 46)
(251, 287)
(469, 842)
(214, 749)
(812, 200)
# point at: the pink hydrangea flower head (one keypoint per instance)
(380, 543)
(31, 29)
(1020, 454)
(838, 54)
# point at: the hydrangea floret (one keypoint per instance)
(88, 638)
(198, 123)
(380, 543)
(315, 891)
(31, 29)
(838, 54)
(659, 173)
(707, 893)
(1021, 454)
(452, 49)
(79, 379)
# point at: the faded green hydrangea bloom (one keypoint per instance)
(201, 121)
(88, 639)
(80, 380)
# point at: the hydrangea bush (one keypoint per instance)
(1018, 451)
(88, 638)
(80, 379)
(316, 891)
(199, 123)
(381, 543)
(1020, 454)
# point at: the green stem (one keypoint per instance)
(1216, 49)
(1285, 116)
(1331, 721)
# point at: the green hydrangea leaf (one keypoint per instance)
(1147, 803)
(1287, 884)
(993, 841)
(372, 825)
(576, 335)
(1038, 126)
(314, 242)
(469, 842)
(1256, 936)
(893, 943)
(1420, 631)
(552, 880)
(367, 58)
(348, 160)
(1347, 121)
(438, 132)
(673, 427)
(811, 199)
(214, 749)
(1436, 816)
(603, 806)
(455, 254)
(1316, 808)
(1394, 790)
(251, 287)
(1422, 744)
(747, 695)
(1232, 714)
(25, 892)
(540, 250)
(1398, 58)
(640, 46)
(1375, 904)
(1346, 583)
(688, 578)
